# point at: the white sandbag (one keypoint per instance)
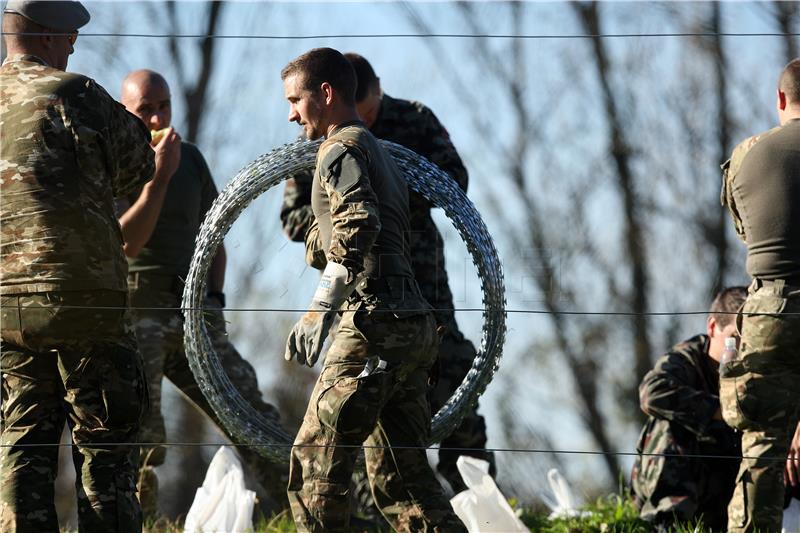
(222, 504)
(482, 507)
(562, 504)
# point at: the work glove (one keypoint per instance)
(308, 335)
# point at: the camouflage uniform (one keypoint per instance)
(680, 397)
(156, 286)
(372, 388)
(68, 353)
(414, 126)
(760, 393)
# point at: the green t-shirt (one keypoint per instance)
(766, 192)
(190, 193)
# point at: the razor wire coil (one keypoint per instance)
(239, 417)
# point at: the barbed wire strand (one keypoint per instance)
(542, 36)
(435, 310)
(376, 447)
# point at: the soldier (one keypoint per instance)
(414, 126)
(680, 396)
(373, 384)
(761, 394)
(68, 353)
(160, 223)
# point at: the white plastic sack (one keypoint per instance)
(222, 504)
(482, 507)
(791, 517)
(561, 504)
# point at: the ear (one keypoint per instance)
(781, 100)
(47, 41)
(711, 326)
(327, 92)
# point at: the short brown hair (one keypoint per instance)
(366, 79)
(789, 83)
(727, 303)
(321, 65)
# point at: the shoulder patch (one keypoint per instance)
(331, 156)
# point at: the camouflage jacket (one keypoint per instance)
(414, 126)
(354, 176)
(730, 169)
(67, 150)
(683, 387)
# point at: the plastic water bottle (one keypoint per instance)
(728, 356)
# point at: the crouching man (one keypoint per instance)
(681, 399)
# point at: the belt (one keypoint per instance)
(159, 282)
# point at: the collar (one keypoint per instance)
(29, 58)
(344, 125)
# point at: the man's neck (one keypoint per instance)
(792, 113)
(343, 117)
(26, 51)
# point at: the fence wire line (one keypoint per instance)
(435, 310)
(543, 36)
(376, 447)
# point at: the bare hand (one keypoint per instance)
(792, 472)
(168, 156)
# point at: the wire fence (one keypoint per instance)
(100, 445)
(435, 310)
(541, 36)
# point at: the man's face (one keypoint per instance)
(151, 102)
(717, 335)
(370, 106)
(305, 107)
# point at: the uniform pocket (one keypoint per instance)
(106, 388)
(351, 405)
(746, 398)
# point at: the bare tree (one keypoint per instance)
(194, 91)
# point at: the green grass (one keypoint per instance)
(610, 514)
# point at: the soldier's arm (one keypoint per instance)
(296, 213)
(670, 392)
(438, 147)
(315, 252)
(355, 220)
(139, 220)
(128, 154)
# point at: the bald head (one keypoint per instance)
(145, 93)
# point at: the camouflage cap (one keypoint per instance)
(59, 15)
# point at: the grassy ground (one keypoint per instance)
(613, 514)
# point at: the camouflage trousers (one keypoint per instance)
(760, 395)
(60, 363)
(359, 401)
(159, 332)
(670, 485)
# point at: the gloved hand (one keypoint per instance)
(307, 336)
